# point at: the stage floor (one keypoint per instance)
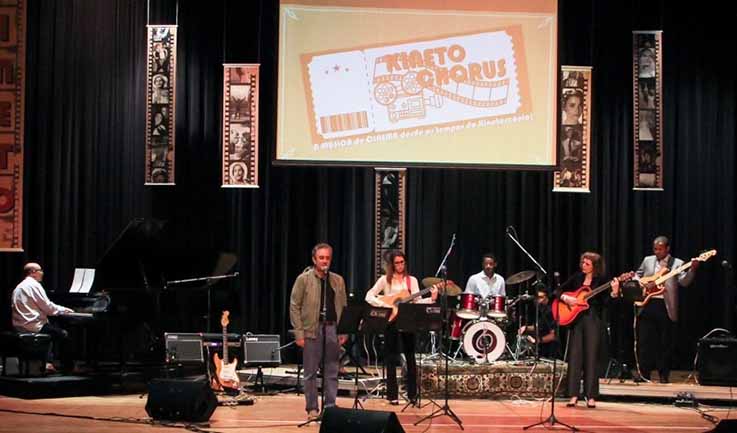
(282, 413)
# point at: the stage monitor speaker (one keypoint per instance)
(189, 400)
(718, 361)
(725, 426)
(183, 347)
(261, 350)
(339, 420)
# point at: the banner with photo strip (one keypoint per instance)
(647, 88)
(574, 137)
(240, 125)
(12, 101)
(389, 219)
(160, 91)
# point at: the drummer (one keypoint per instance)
(486, 283)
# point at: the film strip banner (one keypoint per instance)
(574, 142)
(160, 91)
(647, 87)
(12, 101)
(389, 224)
(240, 126)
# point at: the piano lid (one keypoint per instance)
(146, 254)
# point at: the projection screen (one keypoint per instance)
(460, 83)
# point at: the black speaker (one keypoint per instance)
(338, 420)
(181, 400)
(718, 361)
(725, 426)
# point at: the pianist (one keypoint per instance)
(31, 308)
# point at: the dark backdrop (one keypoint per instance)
(85, 159)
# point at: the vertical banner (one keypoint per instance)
(391, 187)
(240, 126)
(574, 138)
(160, 91)
(12, 99)
(647, 87)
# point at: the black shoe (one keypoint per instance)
(664, 378)
(394, 402)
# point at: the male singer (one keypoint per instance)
(317, 301)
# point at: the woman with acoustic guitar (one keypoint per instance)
(397, 285)
(584, 333)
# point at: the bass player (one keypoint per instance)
(658, 317)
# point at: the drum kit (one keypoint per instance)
(480, 324)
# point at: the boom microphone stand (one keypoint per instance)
(551, 419)
(445, 408)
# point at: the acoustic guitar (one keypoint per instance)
(664, 275)
(225, 374)
(565, 314)
(402, 298)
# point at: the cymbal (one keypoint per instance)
(520, 277)
(451, 289)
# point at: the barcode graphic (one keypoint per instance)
(344, 122)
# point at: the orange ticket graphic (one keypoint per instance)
(409, 85)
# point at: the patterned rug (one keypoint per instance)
(502, 379)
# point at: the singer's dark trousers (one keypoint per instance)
(391, 359)
(583, 350)
(311, 356)
(655, 339)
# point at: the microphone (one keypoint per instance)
(453, 241)
(726, 265)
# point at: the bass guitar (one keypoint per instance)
(664, 275)
(225, 374)
(566, 314)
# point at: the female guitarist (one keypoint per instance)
(584, 333)
(395, 285)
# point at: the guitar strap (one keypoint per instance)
(671, 260)
(409, 287)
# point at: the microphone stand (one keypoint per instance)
(445, 408)
(210, 281)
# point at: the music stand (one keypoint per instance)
(414, 318)
(351, 322)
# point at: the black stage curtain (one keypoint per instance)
(85, 147)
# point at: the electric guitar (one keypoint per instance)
(402, 298)
(225, 374)
(664, 275)
(566, 314)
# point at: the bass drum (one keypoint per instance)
(483, 341)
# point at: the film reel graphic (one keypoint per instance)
(400, 181)
(160, 135)
(402, 94)
(575, 177)
(648, 154)
(240, 111)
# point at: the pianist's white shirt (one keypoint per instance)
(31, 306)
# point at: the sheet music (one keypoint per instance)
(83, 279)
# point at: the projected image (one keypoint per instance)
(404, 85)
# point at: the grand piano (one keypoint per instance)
(145, 284)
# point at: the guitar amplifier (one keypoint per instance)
(261, 350)
(718, 361)
(183, 347)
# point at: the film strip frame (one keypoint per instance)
(161, 67)
(574, 133)
(12, 122)
(647, 88)
(390, 213)
(240, 123)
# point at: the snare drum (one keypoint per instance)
(469, 306)
(498, 307)
(456, 327)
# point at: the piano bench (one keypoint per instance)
(27, 347)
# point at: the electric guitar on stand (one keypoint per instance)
(664, 275)
(226, 378)
(566, 314)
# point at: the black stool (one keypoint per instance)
(26, 346)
